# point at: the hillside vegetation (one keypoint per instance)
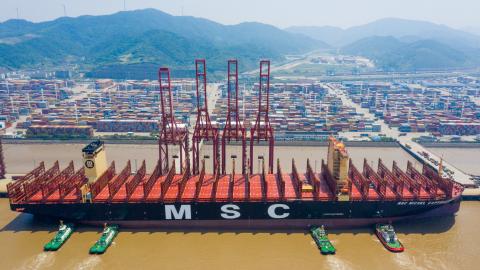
(125, 43)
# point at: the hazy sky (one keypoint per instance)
(281, 13)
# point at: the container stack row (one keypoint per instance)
(448, 106)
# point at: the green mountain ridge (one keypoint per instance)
(399, 44)
(132, 53)
(391, 54)
(143, 37)
(397, 28)
(132, 44)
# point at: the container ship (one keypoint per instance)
(175, 196)
(339, 195)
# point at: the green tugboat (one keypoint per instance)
(109, 233)
(64, 232)
(320, 237)
(388, 237)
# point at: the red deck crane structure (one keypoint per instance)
(262, 129)
(203, 126)
(234, 128)
(171, 133)
(2, 162)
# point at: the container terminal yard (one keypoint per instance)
(249, 189)
(446, 107)
(190, 138)
(133, 107)
(418, 151)
(301, 111)
(341, 194)
(181, 194)
(42, 108)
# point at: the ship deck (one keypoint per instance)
(46, 186)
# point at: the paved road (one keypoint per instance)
(406, 141)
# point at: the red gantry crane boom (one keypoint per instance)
(262, 129)
(234, 129)
(2, 162)
(171, 133)
(203, 126)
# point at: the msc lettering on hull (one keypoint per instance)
(185, 212)
(227, 211)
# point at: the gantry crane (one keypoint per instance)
(262, 129)
(171, 132)
(203, 126)
(234, 128)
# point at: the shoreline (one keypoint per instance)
(279, 143)
(452, 144)
(75, 141)
(154, 142)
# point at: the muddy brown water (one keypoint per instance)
(445, 243)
